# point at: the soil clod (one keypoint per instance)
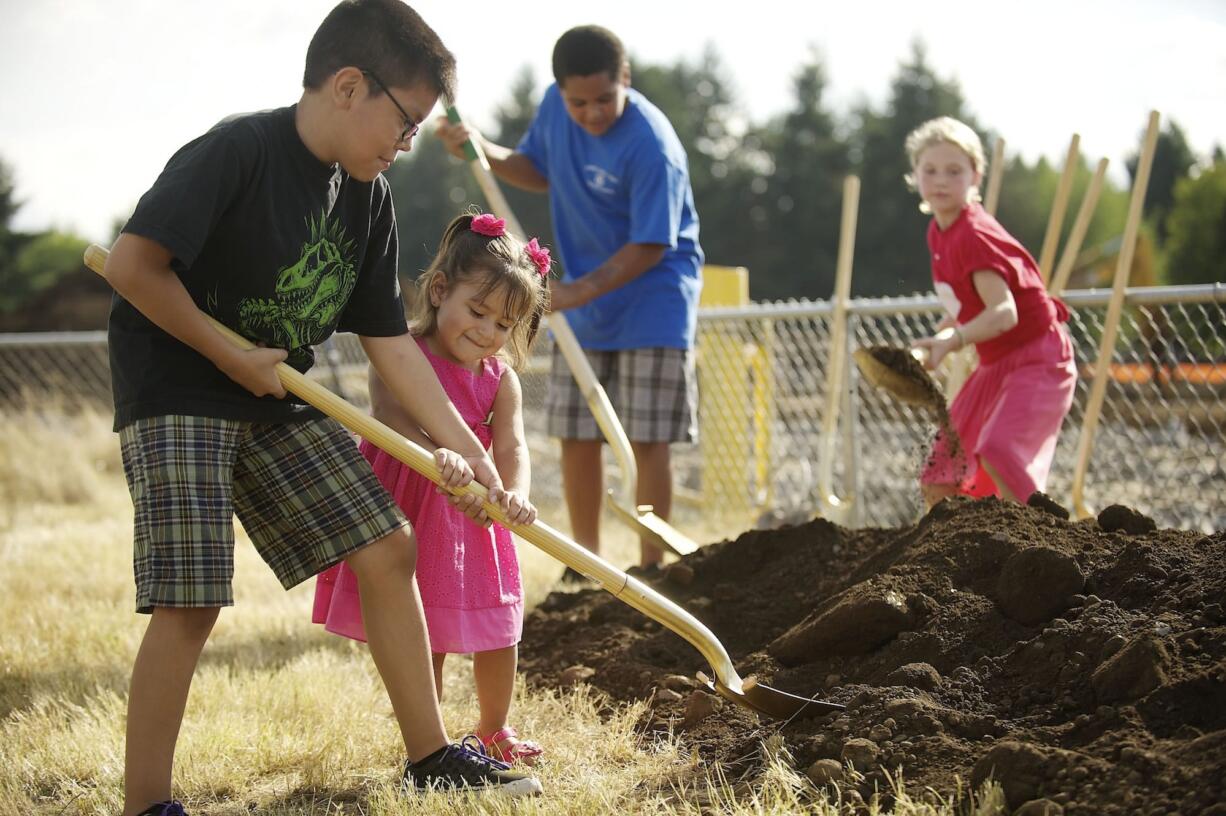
(1117, 517)
(1047, 504)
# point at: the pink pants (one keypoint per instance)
(1009, 414)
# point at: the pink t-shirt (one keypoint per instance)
(976, 242)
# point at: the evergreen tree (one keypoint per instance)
(8, 196)
(698, 100)
(1196, 242)
(802, 196)
(40, 262)
(9, 205)
(429, 188)
(511, 120)
(1173, 161)
(891, 251)
(1028, 193)
(1026, 196)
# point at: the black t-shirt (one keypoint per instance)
(269, 241)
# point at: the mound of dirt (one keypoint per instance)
(1082, 665)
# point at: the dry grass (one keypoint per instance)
(283, 718)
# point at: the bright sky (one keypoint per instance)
(99, 94)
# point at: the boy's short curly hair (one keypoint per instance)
(385, 37)
(586, 50)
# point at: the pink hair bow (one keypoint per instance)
(540, 257)
(489, 225)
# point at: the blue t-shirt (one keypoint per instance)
(629, 185)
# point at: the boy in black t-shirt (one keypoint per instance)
(280, 225)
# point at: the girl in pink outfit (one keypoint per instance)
(1008, 414)
(479, 306)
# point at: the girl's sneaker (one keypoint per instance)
(505, 744)
(171, 808)
(459, 767)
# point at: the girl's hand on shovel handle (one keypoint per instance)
(484, 473)
(456, 472)
(453, 468)
(931, 350)
(519, 511)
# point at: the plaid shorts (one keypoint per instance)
(654, 392)
(304, 493)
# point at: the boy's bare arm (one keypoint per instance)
(623, 266)
(139, 269)
(515, 168)
(388, 410)
(411, 381)
(510, 446)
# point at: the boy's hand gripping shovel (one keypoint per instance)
(639, 517)
(763, 699)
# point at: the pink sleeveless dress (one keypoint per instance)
(468, 576)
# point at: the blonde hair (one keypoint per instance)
(498, 262)
(951, 131)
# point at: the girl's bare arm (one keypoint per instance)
(510, 446)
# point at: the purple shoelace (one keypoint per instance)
(472, 745)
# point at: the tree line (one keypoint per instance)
(768, 193)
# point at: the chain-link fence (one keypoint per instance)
(763, 373)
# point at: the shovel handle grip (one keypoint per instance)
(470, 150)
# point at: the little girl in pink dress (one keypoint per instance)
(479, 306)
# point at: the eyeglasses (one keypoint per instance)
(411, 126)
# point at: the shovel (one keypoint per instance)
(900, 372)
(638, 517)
(748, 693)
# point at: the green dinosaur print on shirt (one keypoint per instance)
(310, 293)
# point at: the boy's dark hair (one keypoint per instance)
(385, 37)
(587, 50)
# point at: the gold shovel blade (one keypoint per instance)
(770, 702)
(650, 526)
(897, 371)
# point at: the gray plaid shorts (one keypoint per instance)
(304, 493)
(654, 392)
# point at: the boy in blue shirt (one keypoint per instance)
(619, 192)
(280, 225)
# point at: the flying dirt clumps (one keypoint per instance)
(1038, 583)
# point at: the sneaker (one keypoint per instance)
(465, 766)
(171, 808)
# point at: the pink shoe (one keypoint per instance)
(505, 745)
